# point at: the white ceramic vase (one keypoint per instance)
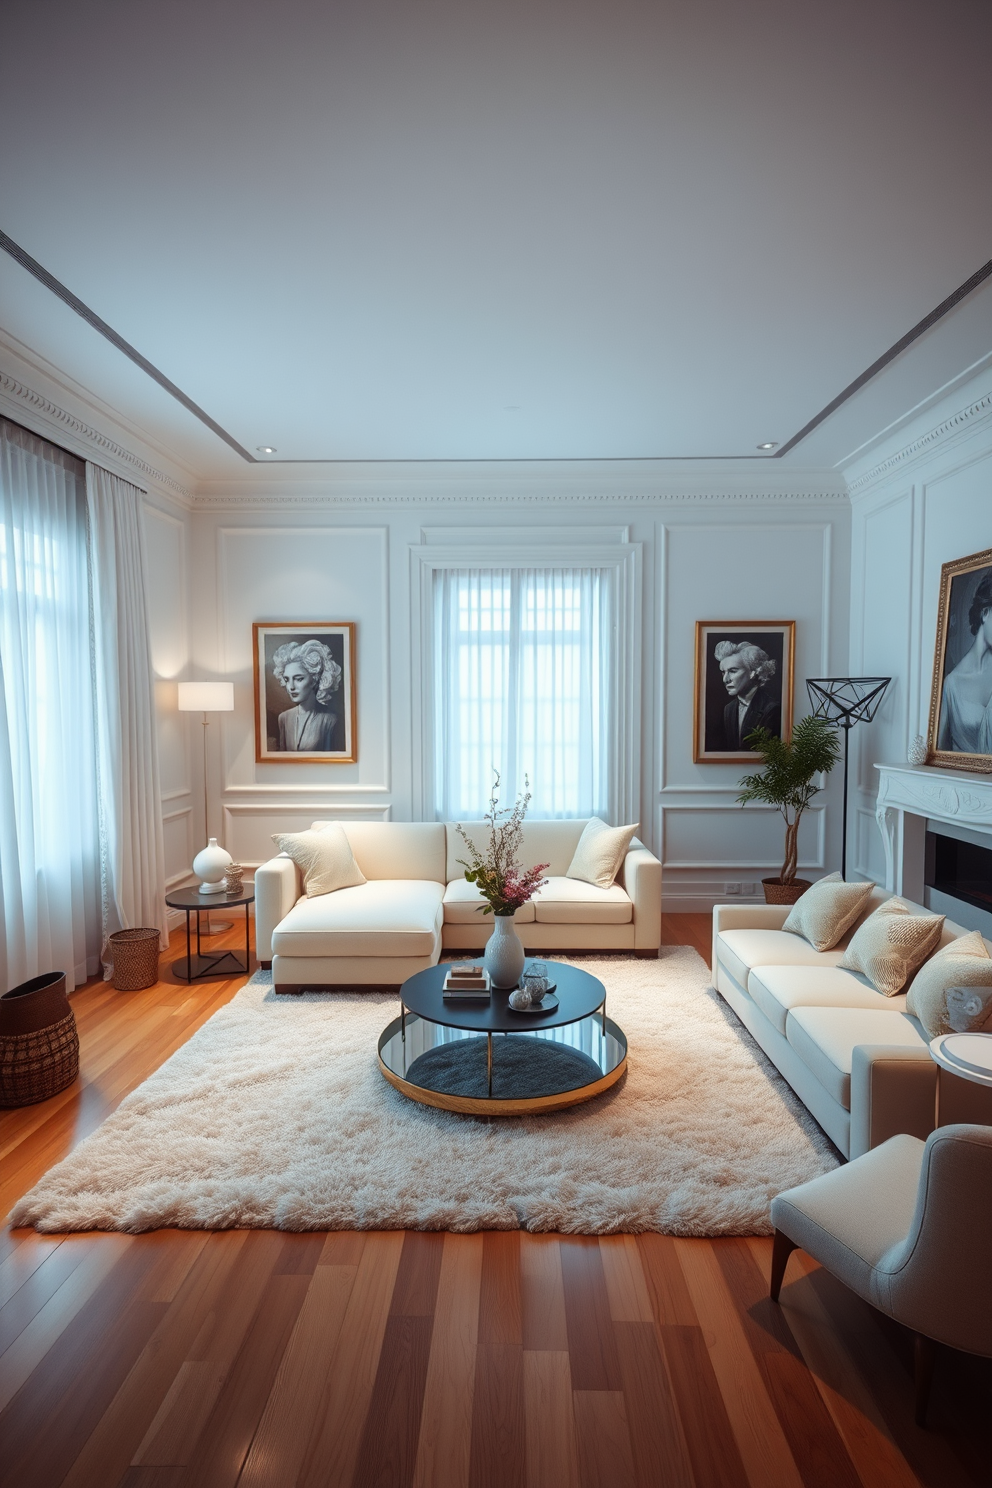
(503, 957)
(211, 864)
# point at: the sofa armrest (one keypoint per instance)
(893, 1090)
(277, 888)
(747, 917)
(642, 881)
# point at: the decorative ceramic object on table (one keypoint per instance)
(535, 980)
(503, 957)
(211, 864)
(520, 1000)
(917, 752)
(504, 885)
(234, 879)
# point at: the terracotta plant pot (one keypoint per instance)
(780, 893)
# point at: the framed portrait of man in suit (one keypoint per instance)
(744, 681)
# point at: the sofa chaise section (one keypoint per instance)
(416, 902)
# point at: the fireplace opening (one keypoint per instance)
(962, 869)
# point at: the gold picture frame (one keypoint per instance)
(315, 663)
(716, 721)
(959, 729)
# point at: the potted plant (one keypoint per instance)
(503, 884)
(787, 782)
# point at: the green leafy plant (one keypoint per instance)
(787, 778)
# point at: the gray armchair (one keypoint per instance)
(908, 1226)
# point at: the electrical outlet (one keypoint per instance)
(732, 888)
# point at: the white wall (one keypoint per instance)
(167, 529)
(725, 550)
(923, 498)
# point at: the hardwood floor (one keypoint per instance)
(266, 1359)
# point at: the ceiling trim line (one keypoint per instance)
(977, 278)
(57, 288)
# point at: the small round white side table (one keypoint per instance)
(968, 1055)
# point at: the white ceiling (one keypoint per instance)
(377, 230)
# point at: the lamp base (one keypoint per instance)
(214, 888)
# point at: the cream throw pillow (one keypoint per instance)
(324, 858)
(891, 944)
(827, 909)
(953, 992)
(599, 853)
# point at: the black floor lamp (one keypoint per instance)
(845, 701)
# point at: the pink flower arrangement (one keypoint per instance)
(502, 882)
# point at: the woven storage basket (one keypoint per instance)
(37, 1061)
(135, 954)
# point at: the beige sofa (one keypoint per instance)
(858, 1061)
(417, 903)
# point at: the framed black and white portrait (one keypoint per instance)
(744, 679)
(305, 692)
(960, 731)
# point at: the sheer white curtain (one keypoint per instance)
(130, 810)
(522, 676)
(49, 841)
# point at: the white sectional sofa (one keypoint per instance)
(858, 1060)
(417, 902)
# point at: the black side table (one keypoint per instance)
(225, 963)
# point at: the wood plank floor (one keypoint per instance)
(267, 1360)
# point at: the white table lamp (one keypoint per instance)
(211, 861)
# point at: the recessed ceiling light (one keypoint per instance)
(771, 444)
(265, 449)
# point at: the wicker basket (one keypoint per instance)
(135, 955)
(39, 1044)
(780, 893)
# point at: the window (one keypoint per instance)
(522, 685)
(49, 837)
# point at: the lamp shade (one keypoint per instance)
(206, 697)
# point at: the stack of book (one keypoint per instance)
(466, 982)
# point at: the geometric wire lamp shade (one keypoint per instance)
(845, 701)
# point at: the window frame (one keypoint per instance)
(487, 550)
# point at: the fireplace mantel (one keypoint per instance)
(907, 796)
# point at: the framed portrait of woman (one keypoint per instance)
(959, 736)
(305, 692)
(744, 679)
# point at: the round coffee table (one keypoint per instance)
(486, 1059)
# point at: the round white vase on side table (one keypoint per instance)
(503, 957)
(211, 863)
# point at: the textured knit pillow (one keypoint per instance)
(324, 858)
(826, 910)
(891, 944)
(953, 992)
(599, 852)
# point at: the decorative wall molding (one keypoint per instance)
(429, 495)
(975, 412)
(92, 437)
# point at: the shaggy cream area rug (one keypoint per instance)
(275, 1115)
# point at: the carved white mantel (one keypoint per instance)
(907, 796)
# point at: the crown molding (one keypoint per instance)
(964, 420)
(568, 483)
(21, 397)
